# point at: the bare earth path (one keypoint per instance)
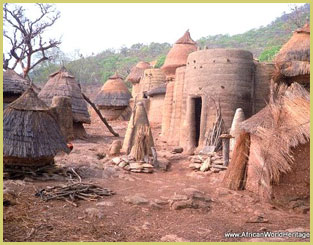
(114, 219)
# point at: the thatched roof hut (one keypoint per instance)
(137, 71)
(278, 163)
(13, 86)
(178, 54)
(113, 97)
(62, 83)
(293, 60)
(31, 135)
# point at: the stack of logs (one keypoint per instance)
(209, 162)
(132, 166)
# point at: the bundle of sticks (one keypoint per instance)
(213, 138)
(72, 192)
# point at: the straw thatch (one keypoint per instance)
(113, 93)
(62, 83)
(136, 72)
(178, 54)
(294, 57)
(276, 131)
(138, 122)
(235, 175)
(13, 83)
(30, 132)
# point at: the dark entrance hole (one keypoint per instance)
(197, 118)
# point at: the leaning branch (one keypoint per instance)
(101, 117)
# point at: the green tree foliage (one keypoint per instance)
(269, 53)
(160, 61)
(263, 42)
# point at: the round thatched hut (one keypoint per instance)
(178, 54)
(31, 135)
(62, 83)
(293, 60)
(152, 78)
(215, 77)
(113, 98)
(277, 163)
(156, 101)
(13, 86)
(136, 75)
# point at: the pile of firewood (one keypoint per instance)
(73, 192)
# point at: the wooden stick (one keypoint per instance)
(101, 117)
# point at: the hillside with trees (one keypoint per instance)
(263, 42)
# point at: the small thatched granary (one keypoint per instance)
(62, 83)
(31, 135)
(278, 163)
(178, 54)
(13, 86)
(293, 60)
(113, 98)
(135, 75)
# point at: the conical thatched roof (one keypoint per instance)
(113, 93)
(62, 83)
(14, 83)
(178, 54)
(29, 130)
(136, 72)
(294, 57)
(281, 126)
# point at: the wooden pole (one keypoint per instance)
(225, 140)
(101, 117)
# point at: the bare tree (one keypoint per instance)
(25, 35)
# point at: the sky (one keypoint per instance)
(92, 28)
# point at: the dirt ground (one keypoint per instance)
(113, 219)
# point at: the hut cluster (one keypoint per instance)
(39, 123)
(204, 100)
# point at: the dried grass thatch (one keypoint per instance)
(137, 71)
(138, 120)
(14, 84)
(178, 54)
(281, 126)
(113, 93)
(62, 83)
(235, 175)
(30, 132)
(294, 57)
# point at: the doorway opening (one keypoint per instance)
(197, 119)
